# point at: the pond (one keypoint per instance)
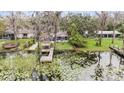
(109, 67)
(94, 66)
(70, 66)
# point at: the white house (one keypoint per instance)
(108, 34)
(21, 33)
(25, 33)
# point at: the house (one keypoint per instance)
(25, 33)
(21, 33)
(108, 34)
(9, 34)
(62, 36)
(44, 36)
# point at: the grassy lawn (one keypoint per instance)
(63, 46)
(106, 42)
(21, 42)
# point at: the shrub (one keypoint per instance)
(77, 41)
(28, 44)
(75, 38)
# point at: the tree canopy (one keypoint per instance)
(2, 27)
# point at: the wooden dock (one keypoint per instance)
(117, 51)
(49, 57)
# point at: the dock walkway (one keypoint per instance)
(48, 58)
(117, 51)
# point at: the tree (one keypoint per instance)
(121, 29)
(76, 25)
(102, 16)
(75, 37)
(2, 27)
(57, 15)
(64, 23)
(15, 22)
(115, 22)
(79, 21)
(84, 22)
(37, 26)
(12, 23)
(92, 26)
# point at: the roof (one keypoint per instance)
(108, 32)
(23, 31)
(20, 31)
(9, 31)
(62, 33)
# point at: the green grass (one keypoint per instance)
(63, 46)
(106, 42)
(21, 42)
(91, 45)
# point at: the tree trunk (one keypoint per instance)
(38, 40)
(100, 39)
(113, 39)
(57, 15)
(14, 25)
(14, 30)
(110, 59)
(56, 30)
(2, 36)
(123, 43)
(15, 36)
(38, 52)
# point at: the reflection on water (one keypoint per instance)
(109, 67)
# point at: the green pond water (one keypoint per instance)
(94, 66)
(66, 66)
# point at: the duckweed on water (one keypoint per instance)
(66, 65)
(71, 63)
(17, 68)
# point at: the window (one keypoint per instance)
(25, 35)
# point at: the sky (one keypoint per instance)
(92, 13)
(6, 13)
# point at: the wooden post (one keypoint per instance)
(123, 45)
(110, 59)
(107, 35)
